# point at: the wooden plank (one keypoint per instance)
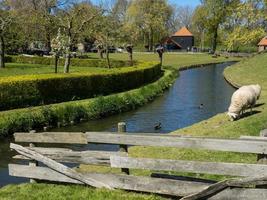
(233, 169)
(126, 182)
(232, 145)
(257, 138)
(52, 137)
(240, 194)
(69, 156)
(58, 166)
(143, 184)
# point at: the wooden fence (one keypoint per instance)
(189, 188)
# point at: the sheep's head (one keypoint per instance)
(233, 116)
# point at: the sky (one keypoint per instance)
(192, 3)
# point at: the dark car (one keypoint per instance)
(94, 50)
(38, 52)
(110, 50)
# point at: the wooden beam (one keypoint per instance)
(232, 169)
(69, 156)
(240, 194)
(51, 137)
(126, 182)
(58, 166)
(232, 145)
(256, 138)
(142, 184)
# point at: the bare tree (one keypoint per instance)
(181, 16)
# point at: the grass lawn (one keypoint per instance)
(13, 69)
(175, 60)
(60, 192)
(171, 59)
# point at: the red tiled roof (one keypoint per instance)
(183, 32)
(263, 42)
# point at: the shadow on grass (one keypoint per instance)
(248, 114)
(259, 105)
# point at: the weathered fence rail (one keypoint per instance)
(162, 185)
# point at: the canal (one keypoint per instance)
(196, 95)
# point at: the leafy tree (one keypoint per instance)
(37, 19)
(5, 21)
(199, 24)
(59, 46)
(216, 12)
(245, 25)
(106, 34)
(74, 22)
(149, 18)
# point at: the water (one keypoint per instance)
(177, 108)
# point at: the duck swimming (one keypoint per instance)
(157, 126)
(201, 106)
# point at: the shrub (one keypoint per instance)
(74, 61)
(33, 90)
(37, 117)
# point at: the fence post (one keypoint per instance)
(32, 163)
(262, 158)
(123, 148)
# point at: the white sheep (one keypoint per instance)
(257, 89)
(242, 99)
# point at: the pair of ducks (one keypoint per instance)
(158, 125)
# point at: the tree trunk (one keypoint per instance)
(56, 62)
(161, 59)
(67, 63)
(151, 41)
(107, 56)
(69, 48)
(48, 41)
(2, 52)
(100, 51)
(214, 40)
(131, 58)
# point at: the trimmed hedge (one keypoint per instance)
(32, 90)
(74, 61)
(38, 117)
